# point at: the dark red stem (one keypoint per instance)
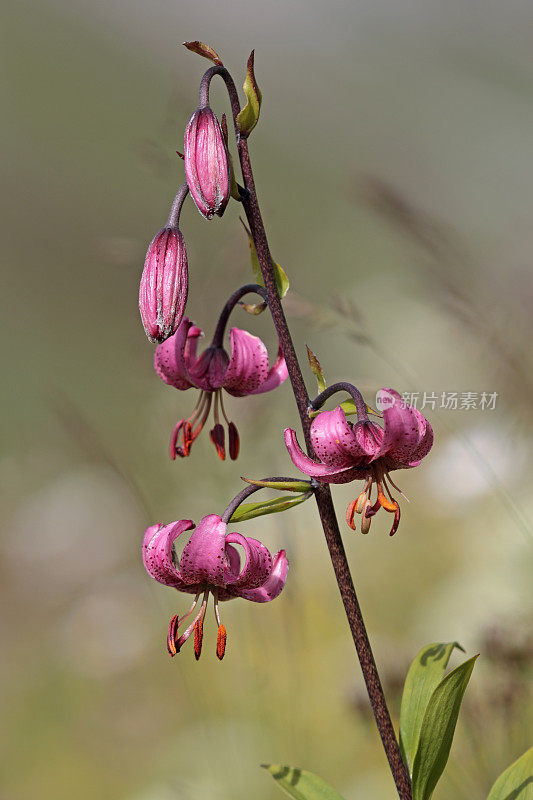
(322, 493)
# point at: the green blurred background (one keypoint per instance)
(394, 168)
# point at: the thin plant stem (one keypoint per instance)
(322, 493)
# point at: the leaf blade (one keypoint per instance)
(516, 782)
(317, 370)
(424, 675)
(248, 116)
(301, 784)
(438, 727)
(281, 486)
(275, 506)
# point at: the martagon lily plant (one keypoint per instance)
(227, 565)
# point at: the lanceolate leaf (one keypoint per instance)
(300, 784)
(252, 510)
(283, 486)
(281, 276)
(349, 408)
(316, 369)
(516, 782)
(438, 727)
(425, 673)
(248, 116)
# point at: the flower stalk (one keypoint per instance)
(322, 492)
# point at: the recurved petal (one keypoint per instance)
(248, 365)
(404, 427)
(173, 357)
(426, 442)
(335, 442)
(276, 375)
(273, 584)
(315, 470)
(157, 551)
(257, 565)
(204, 556)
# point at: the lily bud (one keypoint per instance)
(207, 164)
(164, 284)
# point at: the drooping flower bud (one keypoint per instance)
(164, 284)
(207, 163)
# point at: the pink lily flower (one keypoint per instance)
(210, 564)
(367, 451)
(246, 371)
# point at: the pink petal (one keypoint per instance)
(257, 566)
(404, 427)
(157, 551)
(248, 365)
(425, 444)
(173, 357)
(336, 443)
(273, 584)
(277, 373)
(204, 556)
(210, 369)
(307, 465)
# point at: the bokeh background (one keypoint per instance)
(395, 170)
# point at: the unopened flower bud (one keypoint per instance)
(207, 163)
(164, 284)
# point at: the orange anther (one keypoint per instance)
(350, 514)
(198, 638)
(172, 635)
(388, 505)
(221, 642)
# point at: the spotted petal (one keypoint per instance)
(310, 467)
(157, 552)
(173, 357)
(404, 427)
(272, 586)
(338, 444)
(258, 563)
(277, 373)
(248, 365)
(204, 556)
(426, 442)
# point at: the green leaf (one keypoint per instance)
(300, 784)
(248, 116)
(283, 486)
(349, 408)
(282, 281)
(316, 369)
(425, 673)
(205, 51)
(516, 782)
(438, 727)
(252, 510)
